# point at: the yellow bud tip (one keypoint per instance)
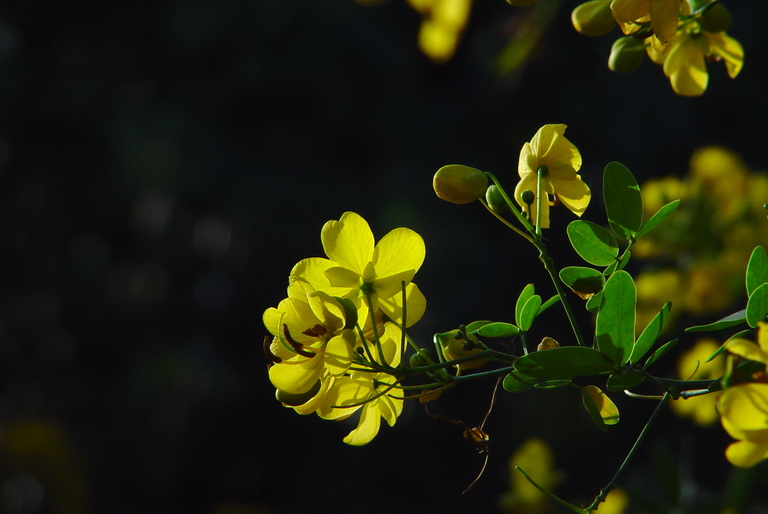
(459, 184)
(547, 344)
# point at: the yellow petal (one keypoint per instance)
(747, 349)
(574, 194)
(629, 10)
(762, 335)
(400, 250)
(339, 352)
(416, 305)
(730, 50)
(545, 138)
(745, 454)
(312, 271)
(296, 377)
(345, 391)
(392, 285)
(367, 428)
(664, 15)
(744, 411)
(348, 242)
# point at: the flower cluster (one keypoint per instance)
(679, 35)
(341, 327)
(698, 261)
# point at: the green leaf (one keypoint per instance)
(757, 270)
(658, 218)
(739, 335)
(585, 282)
(650, 334)
(593, 410)
(601, 408)
(659, 353)
(624, 381)
(737, 318)
(615, 324)
(593, 243)
(549, 303)
(473, 327)
(498, 329)
(552, 384)
(623, 201)
(529, 312)
(563, 363)
(593, 304)
(516, 382)
(525, 294)
(757, 305)
(617, 265)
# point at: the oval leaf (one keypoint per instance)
(593, 243)
(529, 312)
(525, 294)
(593, 304)
(737, 318)
(757, 270)
(498, 329)
(757, 305)
(585, 282)
(623, 202)
(659, 353)
(624, 381)
(516, 382)
(563, 363)
(615, 324)
(600, 407)
(658, 218)
(473, 327)
(650, 334)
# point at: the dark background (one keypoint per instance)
(164, 164)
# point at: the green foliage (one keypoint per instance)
(732, 320)
(650, 334)
(658, 218)
(563, 363)
(757, 305)
(498, 329)
(585, 282)
(757, 270)
(516, 382)
(659, 353)
(593, 243)
(623, 202)
(615, 324)
(527, 308)
(624, 381)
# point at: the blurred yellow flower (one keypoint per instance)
(661, 14)
(357, 268)
(615, 503)
(744, 414)
(535, 458)
(684, 62)
(560, 159)
(701, 409)
(443, 23)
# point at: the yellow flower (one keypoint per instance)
(701, 409)
(661, 14)
(310, 340)
(685, 61)
(358, 268)
(560, 159)
(444, 21)
(744, 414)
(615, 503)
(749, 350)
(369, 392)
(535, 458)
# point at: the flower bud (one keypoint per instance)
(459, 184)
(419, 359)
(455, 346)
(547, 344)
(528, 197)
(593, 18)
(716, 19)
(626, 54)
(495, 200)
(296, 399)
(522, 3)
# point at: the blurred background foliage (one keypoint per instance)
(164, 164)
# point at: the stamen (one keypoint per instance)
(268, 352)
(316, 331)
(297, 346)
